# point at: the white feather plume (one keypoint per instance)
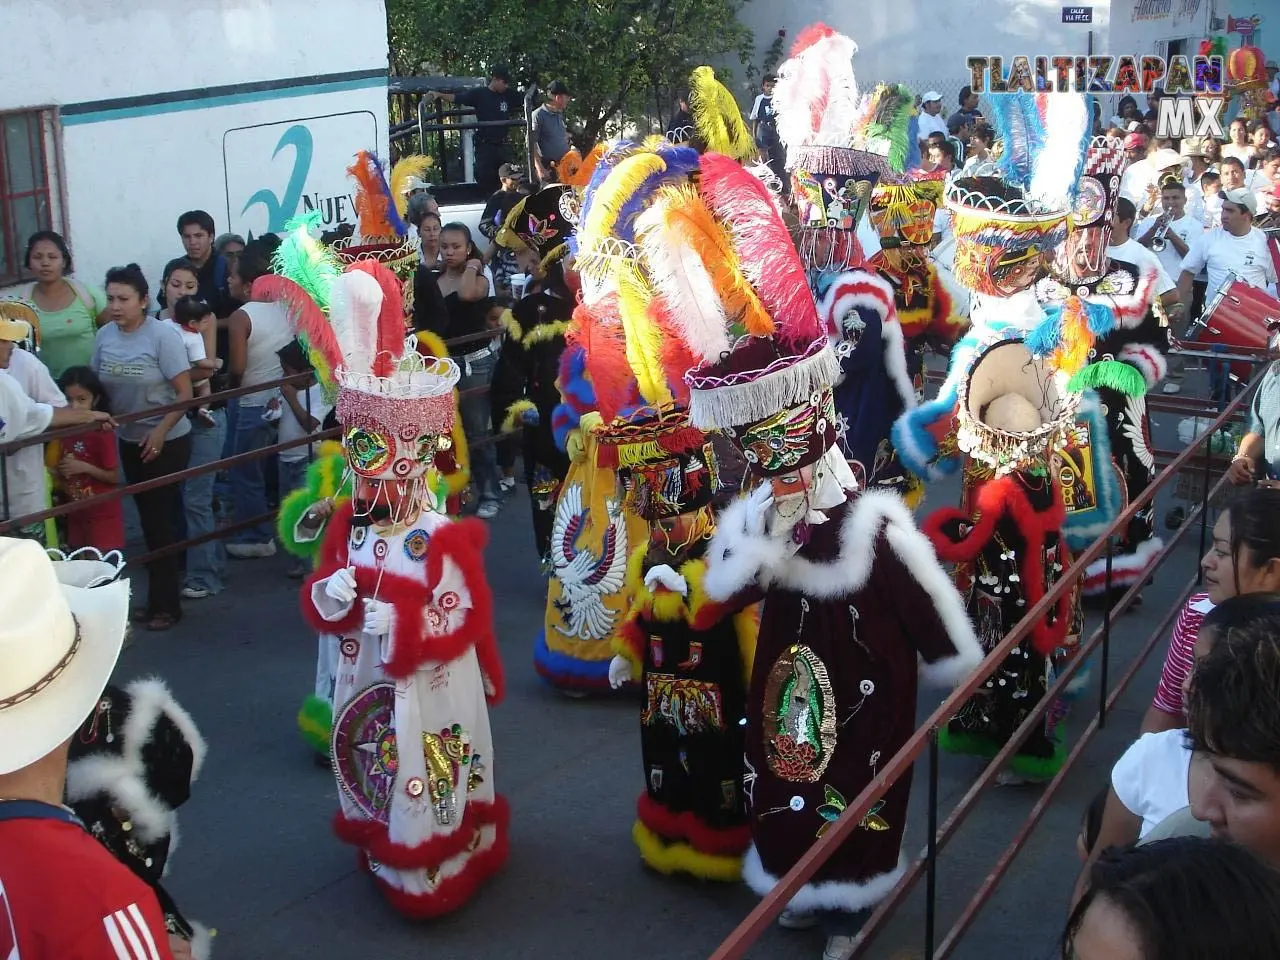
(354, 304)
(678, 273)
(1056, 170)
(816, 96)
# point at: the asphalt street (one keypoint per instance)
(258, 863)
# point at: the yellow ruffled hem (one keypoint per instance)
(671, 858)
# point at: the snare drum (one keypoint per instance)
(1238, 316)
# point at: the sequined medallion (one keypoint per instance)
(365, 758)
(799, 716)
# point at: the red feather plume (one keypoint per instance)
(810, 35)
(305, 316)
(599, 332)
(768, 257)
(391, 325)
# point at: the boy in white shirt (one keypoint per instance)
(302, 415)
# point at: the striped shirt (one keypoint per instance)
(1181, 656)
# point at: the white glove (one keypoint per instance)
(341, 586)
(758, 506)
(620, 672)
(664, 575)
(377, 618)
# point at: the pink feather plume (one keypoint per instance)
(765, 251)
(305, 316)
(391, 326)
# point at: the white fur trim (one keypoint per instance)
(1126, 568)
(916, 552)
(201, 941)
(849, 896)
(1148, 361)
(895, 362)
(749, 558)
(123, 778)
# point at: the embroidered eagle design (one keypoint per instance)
(585, 578)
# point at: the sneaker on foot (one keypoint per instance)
(839, 947)
(797, 920)
(251, 551)
(196, 593)
(507, 484)
(488, 510)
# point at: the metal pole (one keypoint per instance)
(931, 854)
(1204, 504)
(1106, 643)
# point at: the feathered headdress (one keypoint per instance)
(884, 126)
(375, 206)
(816, 96)
(406, 170)
(717, 118)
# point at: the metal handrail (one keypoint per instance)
(925, 737)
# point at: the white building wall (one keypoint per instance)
(247, 109)
(924, 43)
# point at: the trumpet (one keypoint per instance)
(1158, 242)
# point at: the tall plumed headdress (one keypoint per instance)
(816, 103)
(717, 123)
(395, 405)
(1004, 224)
(381, 233)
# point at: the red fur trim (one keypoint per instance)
(371, 836)
(990, 502)
(673, 826)
(462, 542)
(630, 640)
(332, 558)
(454, 892)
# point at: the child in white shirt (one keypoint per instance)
(195, 319)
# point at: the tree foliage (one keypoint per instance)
(623, 60)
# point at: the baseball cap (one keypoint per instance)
(1242, 198)
(931, 96)
(557, 88)
(1135, 141)
(500, 72)
(509, 171)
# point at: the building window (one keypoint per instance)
(27, 169)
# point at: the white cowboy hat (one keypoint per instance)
(1164, 158)
(62, 624)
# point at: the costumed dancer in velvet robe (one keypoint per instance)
(692, 657)
(305, 272)
(404, 590)
(853, 596)
(1014, 413)
(1126, 358)
(524, 390)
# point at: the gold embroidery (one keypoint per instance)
(799, 716)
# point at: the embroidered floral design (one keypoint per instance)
(799, 716)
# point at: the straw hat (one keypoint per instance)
(61, 631)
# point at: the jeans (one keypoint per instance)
(293, 474)
(155, 510)
(477, 425)
(206, 562)
(248, 480)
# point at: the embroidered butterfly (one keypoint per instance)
(540, 227)
(835, 805)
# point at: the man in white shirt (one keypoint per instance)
(1169, 235)
(931, 119)
(1127, 250)
(1237, 247)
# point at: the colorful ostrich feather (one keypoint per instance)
(643, 336)
(600, 220)
(598, 330)
(305, 260)
(1015, 117)
(763, 245)
(888, 127)
(391, 330)
(717, 118)
(582, 176)
(375, 210)
(404, 170)
(611, 155)
(694, 265)
(309, 324)
(816, 97)
(1112, 374)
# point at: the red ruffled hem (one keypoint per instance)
(372, 838)
(685, 826)
(450, 894)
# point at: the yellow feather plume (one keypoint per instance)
(644, 339)
(612, 195)
(687, 222)
(406, 168)
(717, 118)
(507, 236)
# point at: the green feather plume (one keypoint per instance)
(315, 722)
(324, 478)
(1111, 374)
(890, 122)
(305, 260)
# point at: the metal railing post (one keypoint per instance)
(931, 851)
(4, 486)
(1204, 504)
(1106, 640)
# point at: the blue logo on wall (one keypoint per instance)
(281, 208)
